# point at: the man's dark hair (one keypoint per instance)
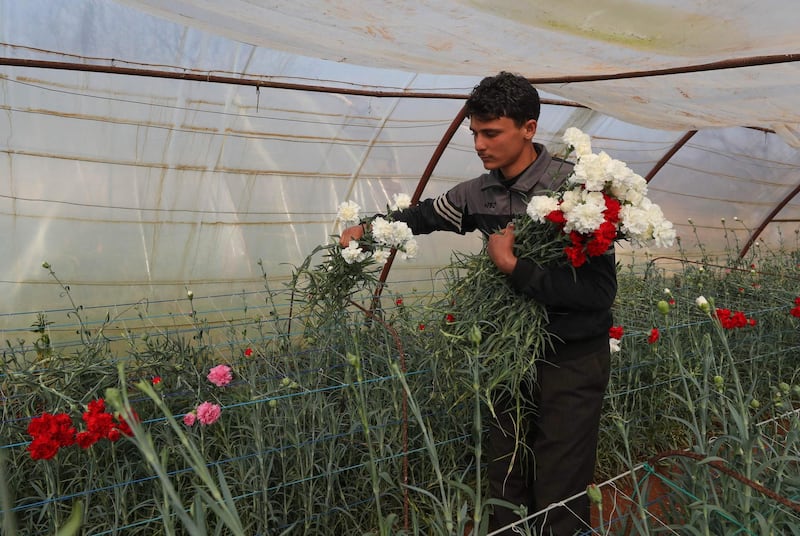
(504, 95)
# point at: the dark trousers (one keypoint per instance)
(559, 428)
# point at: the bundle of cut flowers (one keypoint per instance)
(380, 236)
(344, 271)
(602, 201)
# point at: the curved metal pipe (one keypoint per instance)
(669, 154)
(423, 182)
(766, 221)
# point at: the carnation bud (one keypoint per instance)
(663, 307)
(755, 404)
(703, 304)
(594, 494)
(189, 294)
(113, 397)
(784, 387)
(46, 265)
(719, 381)
(475, 335)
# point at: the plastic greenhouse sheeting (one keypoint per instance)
(136, 184)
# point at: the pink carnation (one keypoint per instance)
(208, 413)
(189, 419)
(220, 375)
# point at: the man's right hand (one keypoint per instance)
(356, 232)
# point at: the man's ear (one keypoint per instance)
(529, 129)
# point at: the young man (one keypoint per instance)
(561, 423)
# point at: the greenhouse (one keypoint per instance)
(192, 347)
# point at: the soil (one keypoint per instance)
(620, 500)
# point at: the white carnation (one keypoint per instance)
(635, 222)
(348, 211)
(578, 140)
(540, 206)
(393, 234)
(570, 199)
(614, 345)
(592, 171)
(587, 216)
(410, 249)
(645, 225)
(629, 188)
(663, 233)
(382, 231)
(401, 201)
(401, 233)
(381, 256)
(352, 253)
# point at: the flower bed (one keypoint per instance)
(321, 430)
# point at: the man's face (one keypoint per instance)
(502, 145)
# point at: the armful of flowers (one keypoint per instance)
(601, 201)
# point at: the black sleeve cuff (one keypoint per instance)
(525, 276)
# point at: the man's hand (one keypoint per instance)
(501, 249)
(351, 233)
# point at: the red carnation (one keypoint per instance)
(576, 238)
(123, 425)
(607, 230)
(43, 449)
(97, 406)
(576, 255)
(613, 207)
(616, 332)
(87, 439)
(49, 428)
(598, 246)
(654, 335)
(556, 217)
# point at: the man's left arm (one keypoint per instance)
(592, 286)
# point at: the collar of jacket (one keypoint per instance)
(529, 178)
